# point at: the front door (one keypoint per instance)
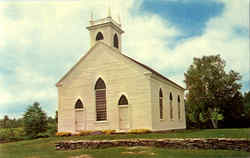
(124, 121)
(80, 120)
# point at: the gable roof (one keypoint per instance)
(153, 71)
(129, 58)
(70, 70)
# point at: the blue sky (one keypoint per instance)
(41, 40)
(190, 17)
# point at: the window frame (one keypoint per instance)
(99, 36)
(161, 104)
(171, 106)
(179, 107)
(122, 103)
(100, 101)
(116, 41)
(76, 107)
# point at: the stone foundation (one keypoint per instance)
(192, 143)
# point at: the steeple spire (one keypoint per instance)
(109, 11)
(91, 16)
(119, 19)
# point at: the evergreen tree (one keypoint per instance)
(35, 120)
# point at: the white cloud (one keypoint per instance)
(40, 41)
(218, 38)
(149, 36)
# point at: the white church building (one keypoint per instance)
(106, 89)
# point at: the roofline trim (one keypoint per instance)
(154, 72)
(58, 84)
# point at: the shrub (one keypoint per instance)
(96, 132)
(42, 135)
(139, 131)
(63, 134)
(108, 132)
(4, 134)
(12, 134)
(85, 132)
(52, 129)
(19, 132)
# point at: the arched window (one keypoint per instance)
(179, 107)
(160, 103)
(116, 41)
(100, 94)
(99, 36)
(123, 100)
(78, 104)
(171, 105)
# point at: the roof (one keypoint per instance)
(129, 58)
(153, 71)
(83, 57)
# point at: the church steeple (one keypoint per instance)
(109, 12)
(106, 30)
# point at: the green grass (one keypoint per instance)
(45, 148)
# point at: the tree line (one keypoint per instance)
(33, 124)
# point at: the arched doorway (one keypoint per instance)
(80, 117)
(123, 113)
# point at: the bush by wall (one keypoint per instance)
(139, 131)
(109, 132)
(63, 134)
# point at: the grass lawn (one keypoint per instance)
(45, 148)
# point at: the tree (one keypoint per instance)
(5, 121)
(35, 120)
(246, 102)
(56, 117)
(211, 89)
(191, 116)
(19, 122)
(51, 120)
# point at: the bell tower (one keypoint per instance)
(106, 30)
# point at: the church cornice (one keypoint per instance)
(93, 27)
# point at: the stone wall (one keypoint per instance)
(221, 143)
